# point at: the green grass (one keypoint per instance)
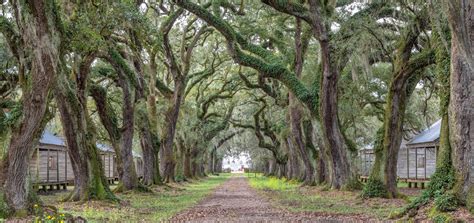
(142, 207)
(402, 184)
(290, 196)
(272, 183)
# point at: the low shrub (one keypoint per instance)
(374, 188)
(446, 202)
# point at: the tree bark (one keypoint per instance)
(297, 135)
(406, 74)
(461, 112)
(333, 139)
(171, 119)
(146, 114)
(295, 110)
(89, 178)
(120, 137)
(150, 147)
(293, 161)
(39, 34)
(129, 178)
(187, 165)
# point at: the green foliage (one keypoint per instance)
(374, 188)
(438, 189)
(441, 181)
(4, 210)
(122, 66)
(179, 178)
(440, 217)
(353, 184)
(446, 202)
(48, 215)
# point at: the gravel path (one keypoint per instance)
(236, 201)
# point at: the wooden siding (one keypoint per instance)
(62, 171)
(366, 161)
(108, 162)
(48, 165)
(420, 163)
(138, 166)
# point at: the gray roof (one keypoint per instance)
(51, 139)
(104, 148)
(430, 134)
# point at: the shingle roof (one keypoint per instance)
(51, 139)
(430, 134)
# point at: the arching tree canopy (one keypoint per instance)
(302, 87)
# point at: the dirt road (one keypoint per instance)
(236, 201)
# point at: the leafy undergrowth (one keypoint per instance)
(429, 213)
(292, 197)
(158, 206)
(3, 207)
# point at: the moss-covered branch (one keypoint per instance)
(250, 55)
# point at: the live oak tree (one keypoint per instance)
(299, 86)
(36, 45)
(407, 71)
(461, 99)
(251, 55)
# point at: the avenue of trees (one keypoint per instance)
(301, 86)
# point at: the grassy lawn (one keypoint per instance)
(141, 207)
(290, 196)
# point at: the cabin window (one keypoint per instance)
(421, 162)
(52, 163)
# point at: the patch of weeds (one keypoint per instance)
(374, 188)
(273, 183)
(439, 217)
(3, 208)
(48, 215)
(446, 202)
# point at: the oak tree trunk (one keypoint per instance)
(295, 110)
(171, 119)
(150, 145)
(129, 178)
(293, 170)
(461, 102)
(408, 70)
(340, 174)
(89, 178)
(39, 34)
